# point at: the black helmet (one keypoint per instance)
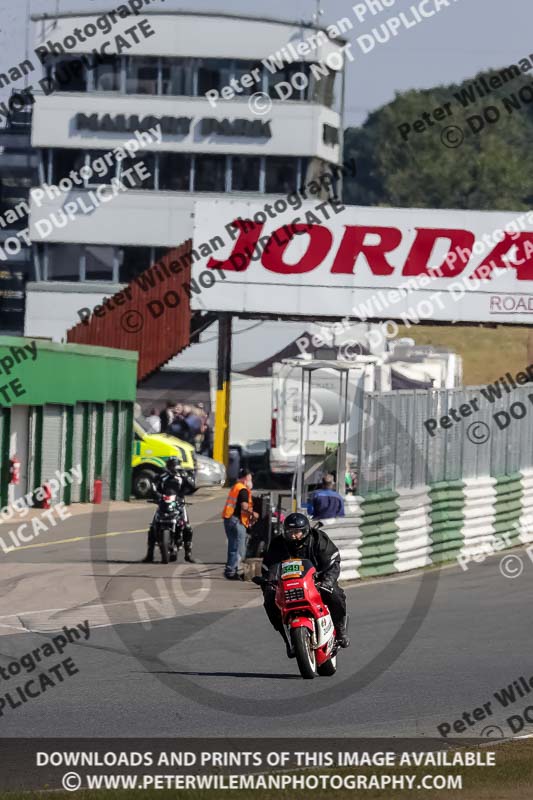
(173, 465)
(296, 523)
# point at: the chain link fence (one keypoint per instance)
(394, 449)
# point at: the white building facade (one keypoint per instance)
(253, 145)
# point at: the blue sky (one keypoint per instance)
(469, 36)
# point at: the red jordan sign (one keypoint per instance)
(325, 260)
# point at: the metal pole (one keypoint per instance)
(222, 414)
(300, 465)
(339, 427)
(345, 437)
(27, 38)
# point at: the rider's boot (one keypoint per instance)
(342, 638)
(288, 645)
(187, 544)
(149, 557)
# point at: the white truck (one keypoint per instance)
(265, 411)
(367, 375)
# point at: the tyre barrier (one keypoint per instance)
(398, 531)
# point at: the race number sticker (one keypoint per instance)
(291, 569)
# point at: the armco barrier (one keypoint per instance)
(392, 532)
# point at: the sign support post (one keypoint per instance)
(222, 412)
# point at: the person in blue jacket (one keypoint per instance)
(327, 503)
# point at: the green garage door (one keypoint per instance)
(54, 440)
(94, 450)
(4, 455)
(124, 442)
(109, 446)
(79, 444)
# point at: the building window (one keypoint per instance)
(132, 261)
(99, 262)
(63, 262)
(64, 161)
(210, 174)
(322, 89)
(244, 68)
(67, 72)
(174, 172)
(134, 181)
(296, 75)
(281, 175)
(176, 76)
(103, 171)
(107, 74)
(245, 173)
(185, 77)
(213, 73)
(142, 76)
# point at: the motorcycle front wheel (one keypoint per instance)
(165, 545)
(305, 655)
(328, 668)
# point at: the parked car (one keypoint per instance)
(150, 453)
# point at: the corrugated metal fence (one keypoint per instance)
(394, 449)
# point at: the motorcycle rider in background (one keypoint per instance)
(299, 540)
(173, 481)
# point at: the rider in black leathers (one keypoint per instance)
(299, 540)
(173, 481)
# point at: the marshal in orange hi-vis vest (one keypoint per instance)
(231, 502)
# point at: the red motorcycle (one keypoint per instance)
(306, 618)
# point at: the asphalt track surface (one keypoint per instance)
(179, 651)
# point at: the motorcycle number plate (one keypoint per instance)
(291, 569)
(169, 497)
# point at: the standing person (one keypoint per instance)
(194, 423)
(327, 503)
(153, 421)
(166, 416)
(205, 448)
(178, 427)
(238, 516)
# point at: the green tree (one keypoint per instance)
(489, 170)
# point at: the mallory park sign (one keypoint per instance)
(329, 260)
(180, 126)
